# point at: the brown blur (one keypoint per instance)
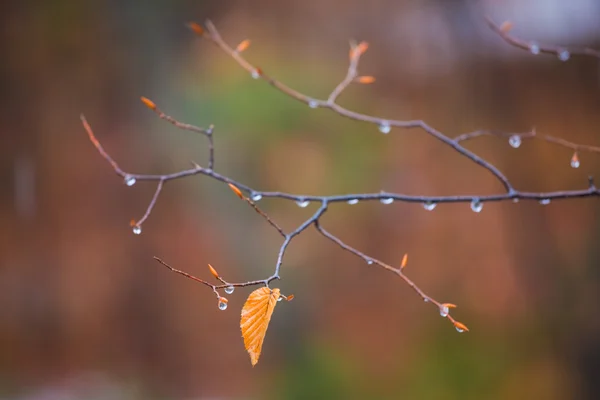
(85, 312)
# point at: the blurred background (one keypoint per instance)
(85, 313)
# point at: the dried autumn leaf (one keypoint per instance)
(256, 315)
(244, 44)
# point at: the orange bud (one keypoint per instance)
(223, 300)
(148, 103)
(242, 46)
(365, 79)
(506, 26)
(290, 297)
(213, 271)
(358, 50)
(236, 190)
(404, 261)
(575, 160)
(460, 326)
(198, 30)
(132, 223)
(449, 305)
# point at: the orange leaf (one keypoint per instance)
(213, 271)
(242, 46)
(148, 103)
(256, 315)
(365, 79)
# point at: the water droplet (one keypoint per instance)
(313, 104)
(564, 55)
(444, 311)
(476, 205)
(137, 230)
(515, 200)
(370, 262)
(129, 180)
(229, 289)
(426, 300)
(222, 305)
(387, 200)
(515, 141)
(302, 203)
(545, 202)
(385, 127)
(429, 205)
(255, 74)
(534, 48)
(353, 201)
(575, 161)
(256, 196)
(459, 330)
(280, 298)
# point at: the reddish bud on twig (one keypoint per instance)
(358, 50)
(460, 326)
(506, 26)
(365, 79)
(289, 297)
(404, 261)
(237, 191)
(243, 45)
(223, 300)
(198, 30)
(148, 103)
(449, 305)
(213, 271)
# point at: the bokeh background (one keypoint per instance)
(85, 313)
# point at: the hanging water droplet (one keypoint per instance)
(534, 48)
(515, 200)
(129, 180)
(387, 200)
(385, 127)
(353, 201)
(229, 289)
(137, 229)
(370, 262)
(564, 55)
(459, 330)
(302, 203)
(444, 311)
(426, 300)
(515, 141)
(476, 205)
(222, 305)
(545, 202)
(255, 74)
(279, 298)
(575, 161)
(256, 196)
(429, 205)
(313, 104)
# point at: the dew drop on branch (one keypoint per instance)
(353, 201)
(534, 48)
(313, 104)
(222, 305)
(129, 180)
(385, 127)
(229, 289)
(137, 230)
(370, 262)
(444, 311)
(575, 161)
(279, 299)
(545, 202)
(476, 205)
(256, 196)
(255, 75)
(387, 200)
(429, 205)
(564, 55)
(302, 203)
(514, 141)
